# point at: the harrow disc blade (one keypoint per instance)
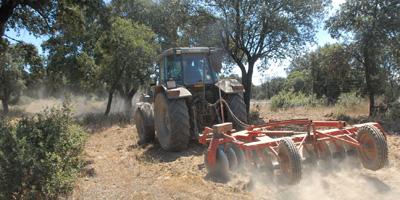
(232, 158)
(221, 167)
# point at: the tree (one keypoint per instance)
(37, 16)
(15, 61)
(71, 63)
(328, 71)
(256, 30)
(175, 22)
(372, 25)
(125, 54)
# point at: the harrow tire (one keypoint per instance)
(289, 161)
(172, 123)
(373, 150)
(144, 121)
(221, 168)
(232, 158)
(238, 108)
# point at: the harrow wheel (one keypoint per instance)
(373, 150)
(221, 167)
(289, 161)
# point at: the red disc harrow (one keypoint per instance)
(273, 146)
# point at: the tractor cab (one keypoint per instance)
(190, 66)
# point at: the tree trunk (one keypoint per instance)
(5, 105)
(247, 82)
(110, 98)
(370, 72)
(6, 10)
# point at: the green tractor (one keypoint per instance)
(187, 97)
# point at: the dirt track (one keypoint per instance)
(118, 169)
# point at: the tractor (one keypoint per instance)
(186, 98)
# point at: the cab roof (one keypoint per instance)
(188, 50)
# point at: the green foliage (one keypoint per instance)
(15, 61)
(373, 27)
(328, 71)
(298, 81)
(289, 99)
(184, 23)
(40, 156)
(269, 88)
(125, 54)
(348, 100)
(71, 62)
(263, 30)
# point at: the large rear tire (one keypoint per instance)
(373, 150)
(238, 108)
(172, 123)
(144, 121)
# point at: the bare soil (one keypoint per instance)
(117, 168)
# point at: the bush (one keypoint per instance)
(40, 156)
(288, 99)
(348, 100)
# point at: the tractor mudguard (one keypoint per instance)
(178, 93)
(173, 93)
(230, 86)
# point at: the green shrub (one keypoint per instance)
(288, 99)
(40, 156)
(348, 100)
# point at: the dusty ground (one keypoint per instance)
(119, 169)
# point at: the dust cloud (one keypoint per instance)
(346, 181)
(81, 105)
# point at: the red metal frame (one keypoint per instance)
(258, 137)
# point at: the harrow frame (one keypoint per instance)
(258, 138)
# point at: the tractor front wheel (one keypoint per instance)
(144, 121)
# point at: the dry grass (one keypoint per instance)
(314, 113)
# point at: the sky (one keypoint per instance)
(275, 69)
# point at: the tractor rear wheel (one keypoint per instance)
(289, 161)
(172, 123)
(238, 108)
(144, 121)
(373, 150)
